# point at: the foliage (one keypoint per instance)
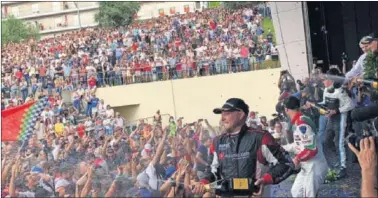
(371, 65)
(214, 4)
(331, 176)
(16, 30)
(233, 5)
(116, 13)
(267, 24)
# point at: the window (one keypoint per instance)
(56, 6)
(15, 11)
(35, 8)
(4, 11)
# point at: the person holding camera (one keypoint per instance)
(308, 157)
(367, 157)
(242, 155)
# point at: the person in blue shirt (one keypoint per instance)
(113, 46)
(297, 94)
(94, 102)
(118, 53)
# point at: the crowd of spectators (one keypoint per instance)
(81, 147)
(99, 157)
(214, 41)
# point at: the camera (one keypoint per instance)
(355, 140)
(280, 108)
(368, 113)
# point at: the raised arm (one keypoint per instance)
(159, 150)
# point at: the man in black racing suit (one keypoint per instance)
(244, 152)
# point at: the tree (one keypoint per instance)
(233, 5)
(16, 30)
(371, 65)
(214, 4)
(118, 13)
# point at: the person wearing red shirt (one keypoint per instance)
(134, 46)
(244, 53)
(42, 74)
(137, 71)
(212, 25)
(147, 71)
(51, 101)
(52, 49)
(86, 59)
(92, 82)
(177, 42)
(80, 130)
(18, 74)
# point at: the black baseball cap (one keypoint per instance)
(292, 103)
(233, 104)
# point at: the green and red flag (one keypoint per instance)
(18, 122)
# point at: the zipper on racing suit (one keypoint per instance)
(241, 134)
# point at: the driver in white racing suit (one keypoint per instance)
(308, 157)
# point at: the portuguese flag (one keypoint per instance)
(18, 122)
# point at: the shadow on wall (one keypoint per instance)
(127, 111)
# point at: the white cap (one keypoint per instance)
(148, 147)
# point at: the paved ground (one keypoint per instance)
(346, 187)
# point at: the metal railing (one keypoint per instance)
(150, 74)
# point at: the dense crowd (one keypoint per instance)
(211, 42)
(98, 157)
(84, 149)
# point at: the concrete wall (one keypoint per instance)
(195, 97)
(289, 27)
(151, 9)
(50, 14)
(26, 8)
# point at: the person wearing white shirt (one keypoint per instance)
(101, 108)
(253, 27)
(358, 68)
(109, 112)
(228, 50)
(236, 56)
(119, 121)
(199, 51)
